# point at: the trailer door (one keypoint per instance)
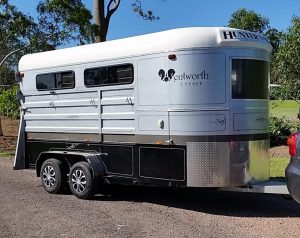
(116, 99)
(117, 117)
(159, 158)
(116, 112)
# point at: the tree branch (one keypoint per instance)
(111, 8)
(137, 7)
(8, 55)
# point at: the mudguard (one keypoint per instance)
(94, 160)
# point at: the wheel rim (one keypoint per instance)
(49, 176)
(79, 181)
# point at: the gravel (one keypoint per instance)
(26, 210)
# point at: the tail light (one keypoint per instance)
(19, 76)
(292, 143)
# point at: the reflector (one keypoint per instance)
(172, 57)
(292, 143)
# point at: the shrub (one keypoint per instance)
(281, 128)
(9, 104)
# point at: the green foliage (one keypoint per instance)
(18, 33)
(14, 30)
(287, 63)
(65, 21)
(70, 20)
(280, 129)
(146, 15)
(9, 105)
(14, 25)
(249, 20)
(252, 21)
(275, 37)
(280, 93)
(7, 75)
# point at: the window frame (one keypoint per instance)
(107, 67)
(264, 60)
(55, 73)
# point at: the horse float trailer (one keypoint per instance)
(184, 107)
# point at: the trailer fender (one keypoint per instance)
(71, 157)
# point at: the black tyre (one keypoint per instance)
(81, 181)
(52, 175)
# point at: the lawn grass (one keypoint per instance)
(7, 153)
(278, 166)
(287, 108)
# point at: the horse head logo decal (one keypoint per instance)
(166, 76)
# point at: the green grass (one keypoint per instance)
(287, 108)
(7, 153)
(278, 166)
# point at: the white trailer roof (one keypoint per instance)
(165, 41)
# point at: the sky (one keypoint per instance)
(184, 13)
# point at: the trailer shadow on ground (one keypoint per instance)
(208, 201)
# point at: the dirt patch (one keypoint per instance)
(8, 140)
(280, 151)
(8, 144)
(10, 127)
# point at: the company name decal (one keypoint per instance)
(185, 79)
(242, 35)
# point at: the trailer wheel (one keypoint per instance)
(51, 175)
(81, 181)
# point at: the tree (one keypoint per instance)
(102, 19)
(276, 39)
(249, 20)
(20, 34)
(252, 21)
(15, 27)
(64, 21)
(287, 62)
(69, 20)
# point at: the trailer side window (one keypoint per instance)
(249, 79)
(111, 75)
(62, 80)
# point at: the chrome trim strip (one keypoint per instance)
(63, 136)
(142, 139)
(186, 110)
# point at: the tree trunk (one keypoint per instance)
(100, 21)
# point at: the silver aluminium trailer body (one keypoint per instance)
(185, 107)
